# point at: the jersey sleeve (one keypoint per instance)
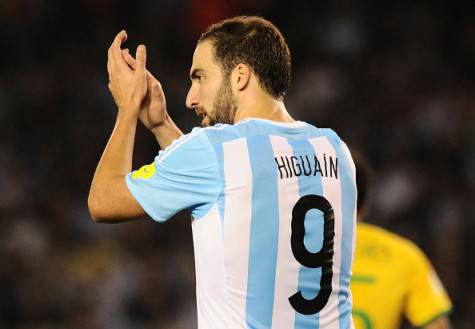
(183, 176)
(427, 299)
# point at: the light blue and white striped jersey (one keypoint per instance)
(274, 208)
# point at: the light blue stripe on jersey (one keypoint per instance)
(220, 156)
(219, 134)
(313, 239)
(348, 201)
(264, 234)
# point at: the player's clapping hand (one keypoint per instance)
(128, 86)
(153, 110)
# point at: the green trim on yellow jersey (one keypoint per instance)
(363, 279)
(438, 316)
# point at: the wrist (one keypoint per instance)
(162, 126)
(127, 114)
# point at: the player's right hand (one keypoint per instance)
(153, 110)
(128, 86)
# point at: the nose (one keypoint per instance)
(192, 97)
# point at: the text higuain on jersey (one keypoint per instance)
(307, 165)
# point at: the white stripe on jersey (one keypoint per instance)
(329, 315)
(287, 267)
(210, 285)
(237, 225)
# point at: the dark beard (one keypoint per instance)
(224, 105)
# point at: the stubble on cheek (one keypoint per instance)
(224, 106)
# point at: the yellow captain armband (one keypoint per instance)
(145, 172)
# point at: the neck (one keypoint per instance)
(259, 104)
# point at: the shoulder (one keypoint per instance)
(329, 133)
(331, 136)
(196, 135)
(194, 145)
(403, 247)
(202, 137)
(219, 133)
(382, 234)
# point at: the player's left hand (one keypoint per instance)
(153, 112)
(128, 87)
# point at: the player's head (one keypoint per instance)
(228, 55)
(363, 183)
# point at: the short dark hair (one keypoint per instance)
(254, 41)
(363, 179)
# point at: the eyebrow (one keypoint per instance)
(194, 73)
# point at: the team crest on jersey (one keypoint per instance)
(145, 172)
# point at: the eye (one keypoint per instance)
(197, 76)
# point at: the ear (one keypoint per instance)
(241, 76)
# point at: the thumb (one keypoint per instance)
(141, 58)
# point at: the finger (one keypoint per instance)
(141, 59)
(115, 53)
(110, 64)
(128, 58)
(119, 39)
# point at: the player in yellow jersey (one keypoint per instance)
(392, 278)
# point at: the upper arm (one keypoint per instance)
(184, 176)
(113, 203)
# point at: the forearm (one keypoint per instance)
(440, 323)
(166, 133)
(117, 156)
(108, 184)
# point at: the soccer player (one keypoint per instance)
(391, 276)
(273, 200)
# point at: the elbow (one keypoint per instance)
(96, 210)
(107, 204)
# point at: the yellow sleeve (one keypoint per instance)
(426, 299)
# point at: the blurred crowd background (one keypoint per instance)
(396, 80)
